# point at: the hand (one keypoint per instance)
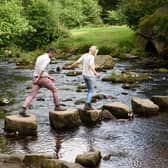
(35, 81)
(51, 78)
(97, 75)
(68, 67)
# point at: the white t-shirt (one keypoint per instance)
(42, 63)
(88, 60)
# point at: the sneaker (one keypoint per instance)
(59, 108)
(90, 106)
(22, 112)
(86, 107)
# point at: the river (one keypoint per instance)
(140, 143)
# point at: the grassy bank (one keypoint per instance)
(112, 40)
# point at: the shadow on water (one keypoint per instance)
(140, 143)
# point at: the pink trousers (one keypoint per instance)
(46, 83)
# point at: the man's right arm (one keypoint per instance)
(38, 77)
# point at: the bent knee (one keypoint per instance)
(54, 90)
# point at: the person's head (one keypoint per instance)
(93, 50)
(51, 52)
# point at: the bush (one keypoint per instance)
(12, 22)
(135, 10)
(114, 17)
(79, 13)
(43, 17)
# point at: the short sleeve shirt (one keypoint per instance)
(88, 61)
(42, 63)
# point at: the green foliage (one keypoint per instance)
(108, 5)
(114, 17)
(134, 10)
(79, 13)
(158, 22)
(42, 16)
(12, 23)
(110, 40)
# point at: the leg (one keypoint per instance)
(29, 99)
(45, 82)
(89, 84)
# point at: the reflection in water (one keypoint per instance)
(58, 146)
(141, 143)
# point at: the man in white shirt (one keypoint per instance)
(42, 79)
(88, 73)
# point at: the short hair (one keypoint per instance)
(51, 50)
(92, 48)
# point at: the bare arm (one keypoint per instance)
(39, 76)
(72, 65)
(94, 71)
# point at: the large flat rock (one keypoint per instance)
(90, 116)
(118, 110)
(144, 107)
(161, 101)
(18, 125)
(67, 119)
(11, 161)
(89, 159)
(36, 160)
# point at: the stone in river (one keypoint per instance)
(144, 107)
(118, 110)
(161, 101)
(67, 119)
(90, 116)
(26, 126)
(89, 159)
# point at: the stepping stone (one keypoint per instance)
(36, 160)
(144, 107)
(18, 125)
(67, 119)
(118, 110)
(161, 101)
(89, 159)
(90, 116)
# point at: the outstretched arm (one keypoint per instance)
(72, 65)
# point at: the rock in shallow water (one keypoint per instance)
(118, 110)
(89, 159)
(90, 116)
(144, 107)
(26, 126)
(67, 119)
(35, 160)
(161, 101)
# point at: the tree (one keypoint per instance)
(12, 23)
(79, 13)
(43, 17)
(134, 10)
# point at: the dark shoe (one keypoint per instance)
(86, 107)
(59, 108)
(22, 112)
(90, 106)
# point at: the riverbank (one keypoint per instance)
(112, 40)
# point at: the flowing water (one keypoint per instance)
(140, 143)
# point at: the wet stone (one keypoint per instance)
(90, 116)
(89, 159)
(67, 119)
(118, 110)
(144, 107)
(18, 125)
(161, 101)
